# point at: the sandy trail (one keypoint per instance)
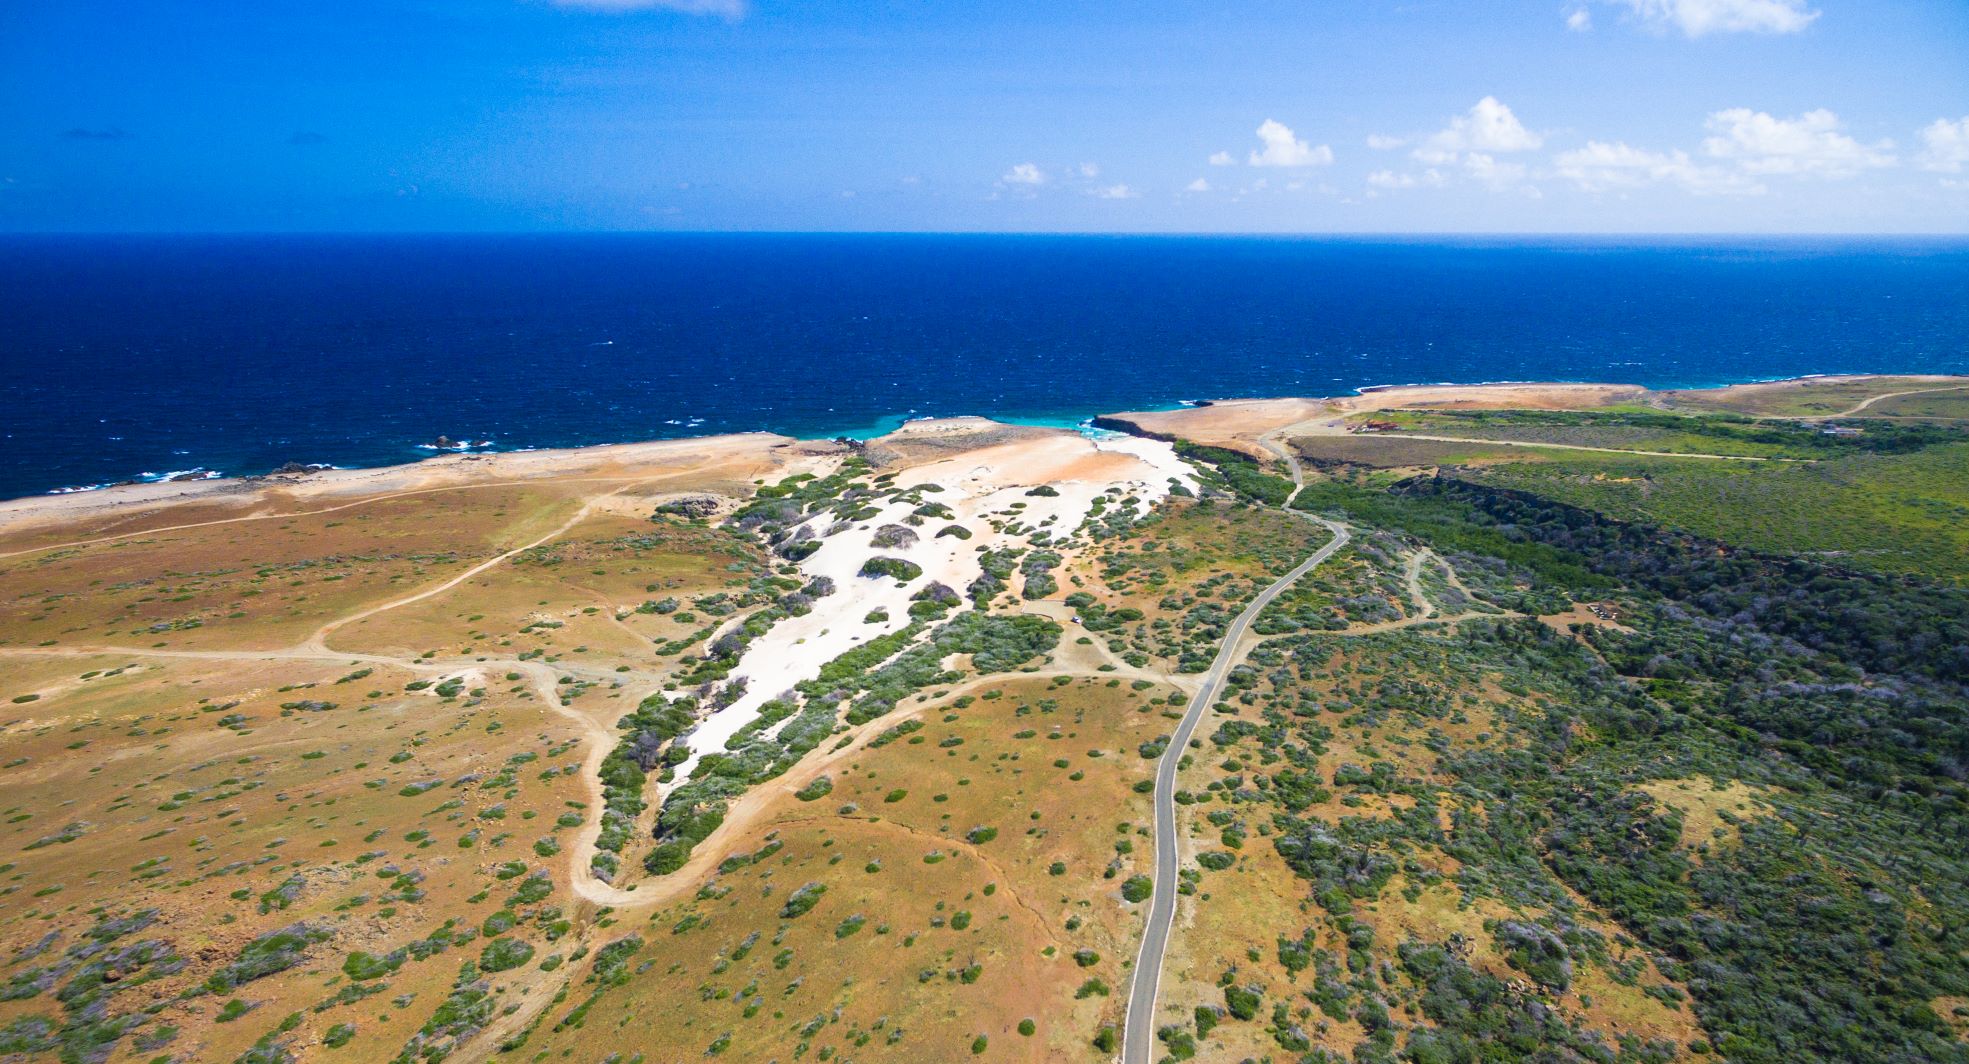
(1446, 620)
(1872, 399)
(1336, 425)
(598, 737)
(1269, 423)
(1412, 575)
(288, 654)
(319, 639)
(748, 811)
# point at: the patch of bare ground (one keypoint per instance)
(1711, 812)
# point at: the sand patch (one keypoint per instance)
(1601, 615)
(1954, 1011)
(981, 487)
(1227, 422)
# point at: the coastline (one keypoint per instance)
(183, 485)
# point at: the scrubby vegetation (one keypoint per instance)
(1649, 430)
(1565, 757)
(1835, 693)
(646, 745)
(1239, 471)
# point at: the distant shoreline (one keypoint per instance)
(253, 353)
(216, 481)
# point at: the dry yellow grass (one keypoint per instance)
(1807, 397)
(1710, 811)
(895, 843)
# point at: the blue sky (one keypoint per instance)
(1145, 116)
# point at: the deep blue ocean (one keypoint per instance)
(122, 356)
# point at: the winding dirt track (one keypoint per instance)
(1872, 399)
(598, 736)
(319, 640)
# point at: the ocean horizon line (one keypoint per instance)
(1343, 235)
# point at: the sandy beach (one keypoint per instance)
(741, 458)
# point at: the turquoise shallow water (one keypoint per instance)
(127, 356)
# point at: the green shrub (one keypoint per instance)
(802, 900)
(505, 954)
(900, 569)
(1242, 1002)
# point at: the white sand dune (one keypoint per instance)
(979, 487)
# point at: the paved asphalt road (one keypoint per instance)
(1138, 1031)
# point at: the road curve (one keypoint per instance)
(1872, 399)
(1138, 1029)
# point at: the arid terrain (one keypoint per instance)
(1526, 722)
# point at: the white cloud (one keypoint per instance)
(1199, 185)
(1947, 148)
(1389, 179)
(1489, 128)
(1579, 20)
(1696, 18)
(1116, 192)
(1490, 171)
(1090, 170)
(1383, 142)
(1601, 166)
(731, 9)
(1222, 158)
(1808, 144)
(1282, 148)
(1024, 174)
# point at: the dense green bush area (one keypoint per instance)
(1240, 471)
(1454, 526)
(1899, 512)
(1654, 430)
(1829, 927)
(1869, 621)
(646, 743)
